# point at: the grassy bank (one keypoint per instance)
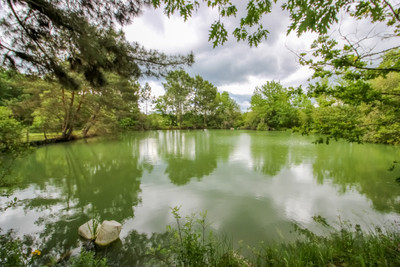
(190, 243)
(38, 137)
(345, 247)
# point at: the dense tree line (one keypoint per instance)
(43, 105)
(357, 110)
(196, 103)
(353, 108)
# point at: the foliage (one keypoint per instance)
(146, 98)
(195, 103)
(383, 117)
(41, 35)
(255, 10)
(309, 15)
(8, 91)
(178, 91)
(358, 108)
(204, 98)
(88, 258)
(336, 120)
(344, 247)
(227, 112)
(11, 146)
(15, 251)
(347, 56)
(10, 131)
(49, 107)
(275, 107)
(192, 246)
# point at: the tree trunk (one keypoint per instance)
(86, 130)
(89, 124)
(67, 125)
(67, 132)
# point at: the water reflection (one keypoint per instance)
(253, 185)
(363, 168)
(190, 154)
(269, 155)
(66, 185)
(103, 178)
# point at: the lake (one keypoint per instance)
(253, 185)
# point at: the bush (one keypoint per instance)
(10, 131)
(11, 145)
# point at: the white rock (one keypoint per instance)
(108, 232)
(86, 230)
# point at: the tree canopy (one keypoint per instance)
(55, 37)
(195, 103)
(327, 56)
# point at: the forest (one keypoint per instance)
(356, 110)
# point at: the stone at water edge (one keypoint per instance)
(108, 232)
(86, 230)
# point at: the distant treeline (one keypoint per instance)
(358, 111)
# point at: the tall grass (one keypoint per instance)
(346, 246)
(191, 243)
(194, 244)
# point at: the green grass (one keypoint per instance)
(40, 136)
(348, 246)
(191, 243)
(344, 247)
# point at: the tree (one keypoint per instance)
(8, 90)
(227, 111)
(11, 145)
(40, 36)
(46, 106)
(383, 117)
(204, 97)
(336, 120)
(273, 108)
(178, 92)
(146, 98)
(306, 16)
(109, 105)
(367, 104)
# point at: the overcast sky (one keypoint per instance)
(233, 67)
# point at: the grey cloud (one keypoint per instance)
(235, 63)
(153, 19)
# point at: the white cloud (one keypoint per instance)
(234, 67)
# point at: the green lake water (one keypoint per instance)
(254, 185)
